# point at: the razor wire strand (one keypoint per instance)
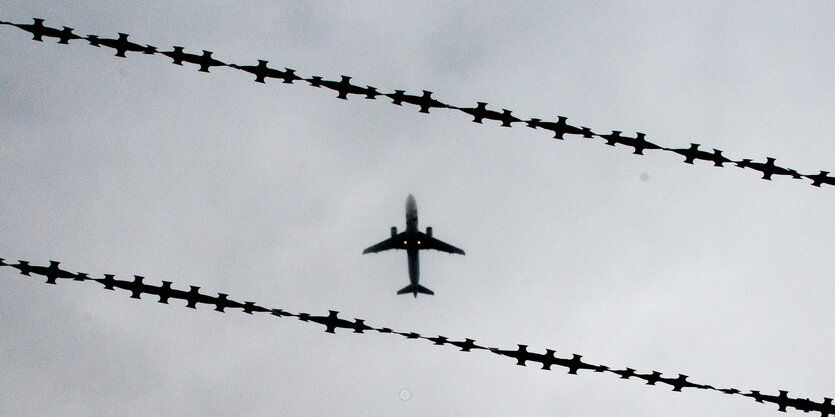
(193, 297)
(425, 101)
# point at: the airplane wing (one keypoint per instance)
(395, 242)
(432, 243)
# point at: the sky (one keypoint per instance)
(270, 192)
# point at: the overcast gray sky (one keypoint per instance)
(270, 192)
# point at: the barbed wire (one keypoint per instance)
(425, 101)
(331, 322)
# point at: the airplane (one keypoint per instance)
(412, 240)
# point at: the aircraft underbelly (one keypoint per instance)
(414, 266)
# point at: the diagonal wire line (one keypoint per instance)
(425, 101)
(193, 297)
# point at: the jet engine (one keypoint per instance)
(429, 231)
(393, 231)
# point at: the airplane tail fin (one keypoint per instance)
(420, 289)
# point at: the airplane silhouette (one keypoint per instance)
(480, 113)
(560, 128)
(205, 61)
(425, 101)
(768, 168)
(262, 71)
(121, 45)
(38, 31)
(344, 87)
(413, 240)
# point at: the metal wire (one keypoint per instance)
(331, 322)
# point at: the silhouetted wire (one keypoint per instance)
(344, 88)
(331, 322)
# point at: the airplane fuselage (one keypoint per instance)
(412, 243)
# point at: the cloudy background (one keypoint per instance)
(270, 193)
